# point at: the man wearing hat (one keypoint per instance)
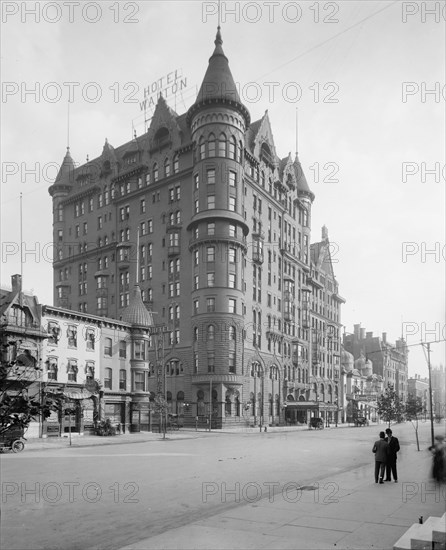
(394, 447)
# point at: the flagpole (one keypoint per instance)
(21, 240)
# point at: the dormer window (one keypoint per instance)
(162, 138)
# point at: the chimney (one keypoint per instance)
(385, 337)
(369, 335)
(324, 233)
(362, 333)
(16, 283)
(356, 330)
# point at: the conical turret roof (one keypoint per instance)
(67, 167)
(136, 313)
(218, 84)
(301, 181)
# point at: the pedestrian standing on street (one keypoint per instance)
(438, 451)
(394, 447)
(380, 449)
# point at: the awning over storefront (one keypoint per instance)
(73, 393)
(77, 393)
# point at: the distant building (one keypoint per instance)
(439, 390)
(419, 387)
(359, 389)
(390, 361)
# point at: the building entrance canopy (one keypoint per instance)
(312, 405)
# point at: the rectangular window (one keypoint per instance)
(122, 349)
(139, 381)
(210, 257)
(211, 361)
(72, 370)
(211, 176)
(231, 361)
(196, 306)
(90, 338)
(196, 182)
(72, 336)
(210, 304)
(232, 179)
(232, 280)
(211, 279)
(232, 305)
(211, 228)
(108, 380)
(211, 202)
(232, 204)
(108, 347)
(232, 230)
(232, 255)
(150, 226)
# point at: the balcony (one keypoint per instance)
(173, 250)
(257, 256)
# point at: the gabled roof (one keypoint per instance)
(321, 257)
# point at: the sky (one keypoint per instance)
(358, 88)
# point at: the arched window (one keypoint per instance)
(211, 145)
(222, 145)
(233, 148)
(228, 405)
(176, 163)
(240, 151)
(201, 148)
(210, 332)
(180, 402)
(167, 167)
(232, 333)
(155, 172)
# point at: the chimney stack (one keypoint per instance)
(356, 330)
(385, 337)
(16, 283)
(362, 333)
(369, 335)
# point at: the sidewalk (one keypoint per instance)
(38, 444)
(344, 511)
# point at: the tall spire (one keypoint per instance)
(218, 85)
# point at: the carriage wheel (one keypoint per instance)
(17, 446)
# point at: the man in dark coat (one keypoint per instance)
(380, 449)
(394, 447)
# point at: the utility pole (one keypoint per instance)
(430, 391)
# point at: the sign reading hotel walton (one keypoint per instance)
(168, 85)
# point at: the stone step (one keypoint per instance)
(423, 536)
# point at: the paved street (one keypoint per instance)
(113, 496)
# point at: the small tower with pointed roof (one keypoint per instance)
(218, 121)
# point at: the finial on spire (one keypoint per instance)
(218, 40)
